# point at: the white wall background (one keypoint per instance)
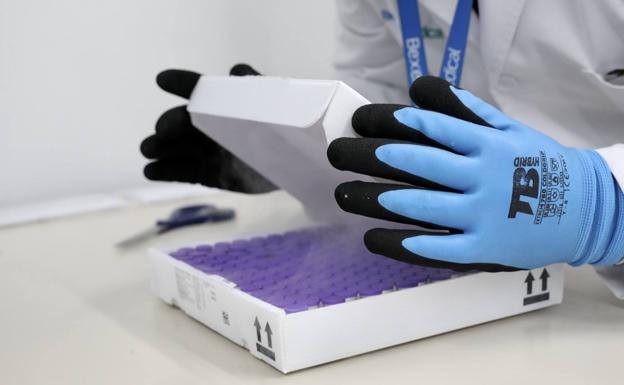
(77, 90)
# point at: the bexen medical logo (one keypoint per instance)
(452, 65)
(413, 56)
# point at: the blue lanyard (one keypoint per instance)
(414, 47)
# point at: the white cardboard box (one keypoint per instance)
(296, 341)
(282, 127)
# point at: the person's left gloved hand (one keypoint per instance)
(491, 193)
(180, 152)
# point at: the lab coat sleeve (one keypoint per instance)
(614, 276)
(367, 56)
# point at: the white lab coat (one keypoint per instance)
(541, 62)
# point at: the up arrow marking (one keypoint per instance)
(529, 282)
(269, 333)
(544, 277)
(258, 327)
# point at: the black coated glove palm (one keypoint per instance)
(182, 153)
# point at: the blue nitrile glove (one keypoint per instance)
(500, 195)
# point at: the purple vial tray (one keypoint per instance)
(307, 268)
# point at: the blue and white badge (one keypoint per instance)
(414, 47)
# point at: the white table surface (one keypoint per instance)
(77, 311)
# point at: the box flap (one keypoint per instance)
(292, 102)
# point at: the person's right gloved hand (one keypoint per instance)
(181, 153)
(501, 196)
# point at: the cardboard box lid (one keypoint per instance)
(282, 127)
(281, 101)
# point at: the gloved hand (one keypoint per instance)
(490, 193)
(182, 153)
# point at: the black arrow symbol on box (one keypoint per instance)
(258, 327)
(529, 282)
(544, 277)
(269, 333)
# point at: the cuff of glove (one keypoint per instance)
(615, 251)
(602, 240)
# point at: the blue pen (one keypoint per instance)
(184, 216)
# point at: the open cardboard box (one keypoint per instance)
(282, 127)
